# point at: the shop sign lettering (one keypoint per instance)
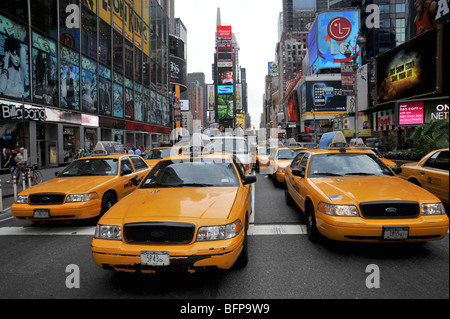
(13, 112)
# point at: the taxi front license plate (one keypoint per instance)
(395, 233)
(155, 258)
(41, 213)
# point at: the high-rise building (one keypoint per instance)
(88, 72)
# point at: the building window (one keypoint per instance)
(400, 31)
(400, 7)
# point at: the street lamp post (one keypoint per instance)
(360, 41)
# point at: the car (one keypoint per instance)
(85, 189)
(431, 173)
(156, 154)
(262, 158)
(386, 161)
(279, 159)
(236, 145)
(351, 195)
(189, 213)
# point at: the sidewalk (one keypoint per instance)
(7, 188)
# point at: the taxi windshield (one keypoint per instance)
(160, 153)
(287, 154)
(230, 145)
(264, 151)
(346, 164)
(192, 173)
(91, 167)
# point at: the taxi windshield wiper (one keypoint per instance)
(360, 173)
(326, 174)
(193, 185)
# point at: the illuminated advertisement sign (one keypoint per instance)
(224, 32)
(417, 112)
(224, 54)
(323, 96)
(333, 32)
(407, 70)
(225, 89)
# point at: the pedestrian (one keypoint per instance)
(130, 151)
(12, 165)
(137, 151)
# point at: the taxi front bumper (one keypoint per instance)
(65, 211)
(357, 229)
(120, 256)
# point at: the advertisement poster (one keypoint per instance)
(225, 106)
(211, 98)
(70, 79)
(89, 85)
(407, 70)
(45, 70)
(118, 100)
(323, 96)
(14, 60)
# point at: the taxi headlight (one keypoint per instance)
(433, 209)
(338, 210)
(219, 232)
(81, 197)
(108, 232)
(22, 199)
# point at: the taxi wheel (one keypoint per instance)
(257, 167)
(109, 199)
(311, 227)
(287, 197)
(242, 260)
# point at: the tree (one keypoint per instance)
(433, 135)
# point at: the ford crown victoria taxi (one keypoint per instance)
(279, 159)
(158, 153)
(86, 188)
(351, 195)
(189, 213)
(262, 159)
(431, 173)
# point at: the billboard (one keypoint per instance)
(224, 54)
(326, 95)
(408, 70)
(333, 31)
(224, 32)
(417, 112)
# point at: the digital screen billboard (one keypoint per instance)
(224, 54)
(408, 70)
(417, 112)
(224, 32)
(225, 89)
(323, 96)
(225, 76)
(333, 31)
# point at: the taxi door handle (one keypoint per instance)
(422, 173)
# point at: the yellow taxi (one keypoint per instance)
(351, 195)
(158, 153)
(86, 188)
(262, 158)
(431, 173)
(189, 213)
(386, 161)
(279, 159)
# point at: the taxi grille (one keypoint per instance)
(159, 233)
(390, 209)
(46, 199)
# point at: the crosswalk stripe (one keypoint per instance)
(254, 230)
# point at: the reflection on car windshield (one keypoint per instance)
(196, 173)
(287, 153)
(230, 145)
(346, 164)
(91, 167)
(263, 151)
(159, 153)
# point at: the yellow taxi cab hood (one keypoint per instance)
(357, 189)
(69, 185)
(175, 203)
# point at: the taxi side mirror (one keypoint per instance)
(57, 173)
(396, 169)
(136, 180)
(126, 171)
(249, 179)
(298, 172)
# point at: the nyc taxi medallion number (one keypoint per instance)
(155, 258)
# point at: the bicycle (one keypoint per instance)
(35, 176)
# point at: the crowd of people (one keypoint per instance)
(16, 164)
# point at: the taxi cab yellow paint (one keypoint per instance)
(278, 166)
(179, 206)
(262, 158)
(431, 173)
(49, 200)
(167, 150)
(319, 196)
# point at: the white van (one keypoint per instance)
(235, 145)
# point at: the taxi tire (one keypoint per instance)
(311, 228)
(108, 201)
(287, 197)
(242, 260)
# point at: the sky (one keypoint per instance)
(255, 25)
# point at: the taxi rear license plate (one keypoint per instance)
(395, 232)
(155, 258)
(41, 213)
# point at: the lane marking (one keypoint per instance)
(254, 230)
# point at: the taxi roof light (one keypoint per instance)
(107, 148)
(334, 140)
